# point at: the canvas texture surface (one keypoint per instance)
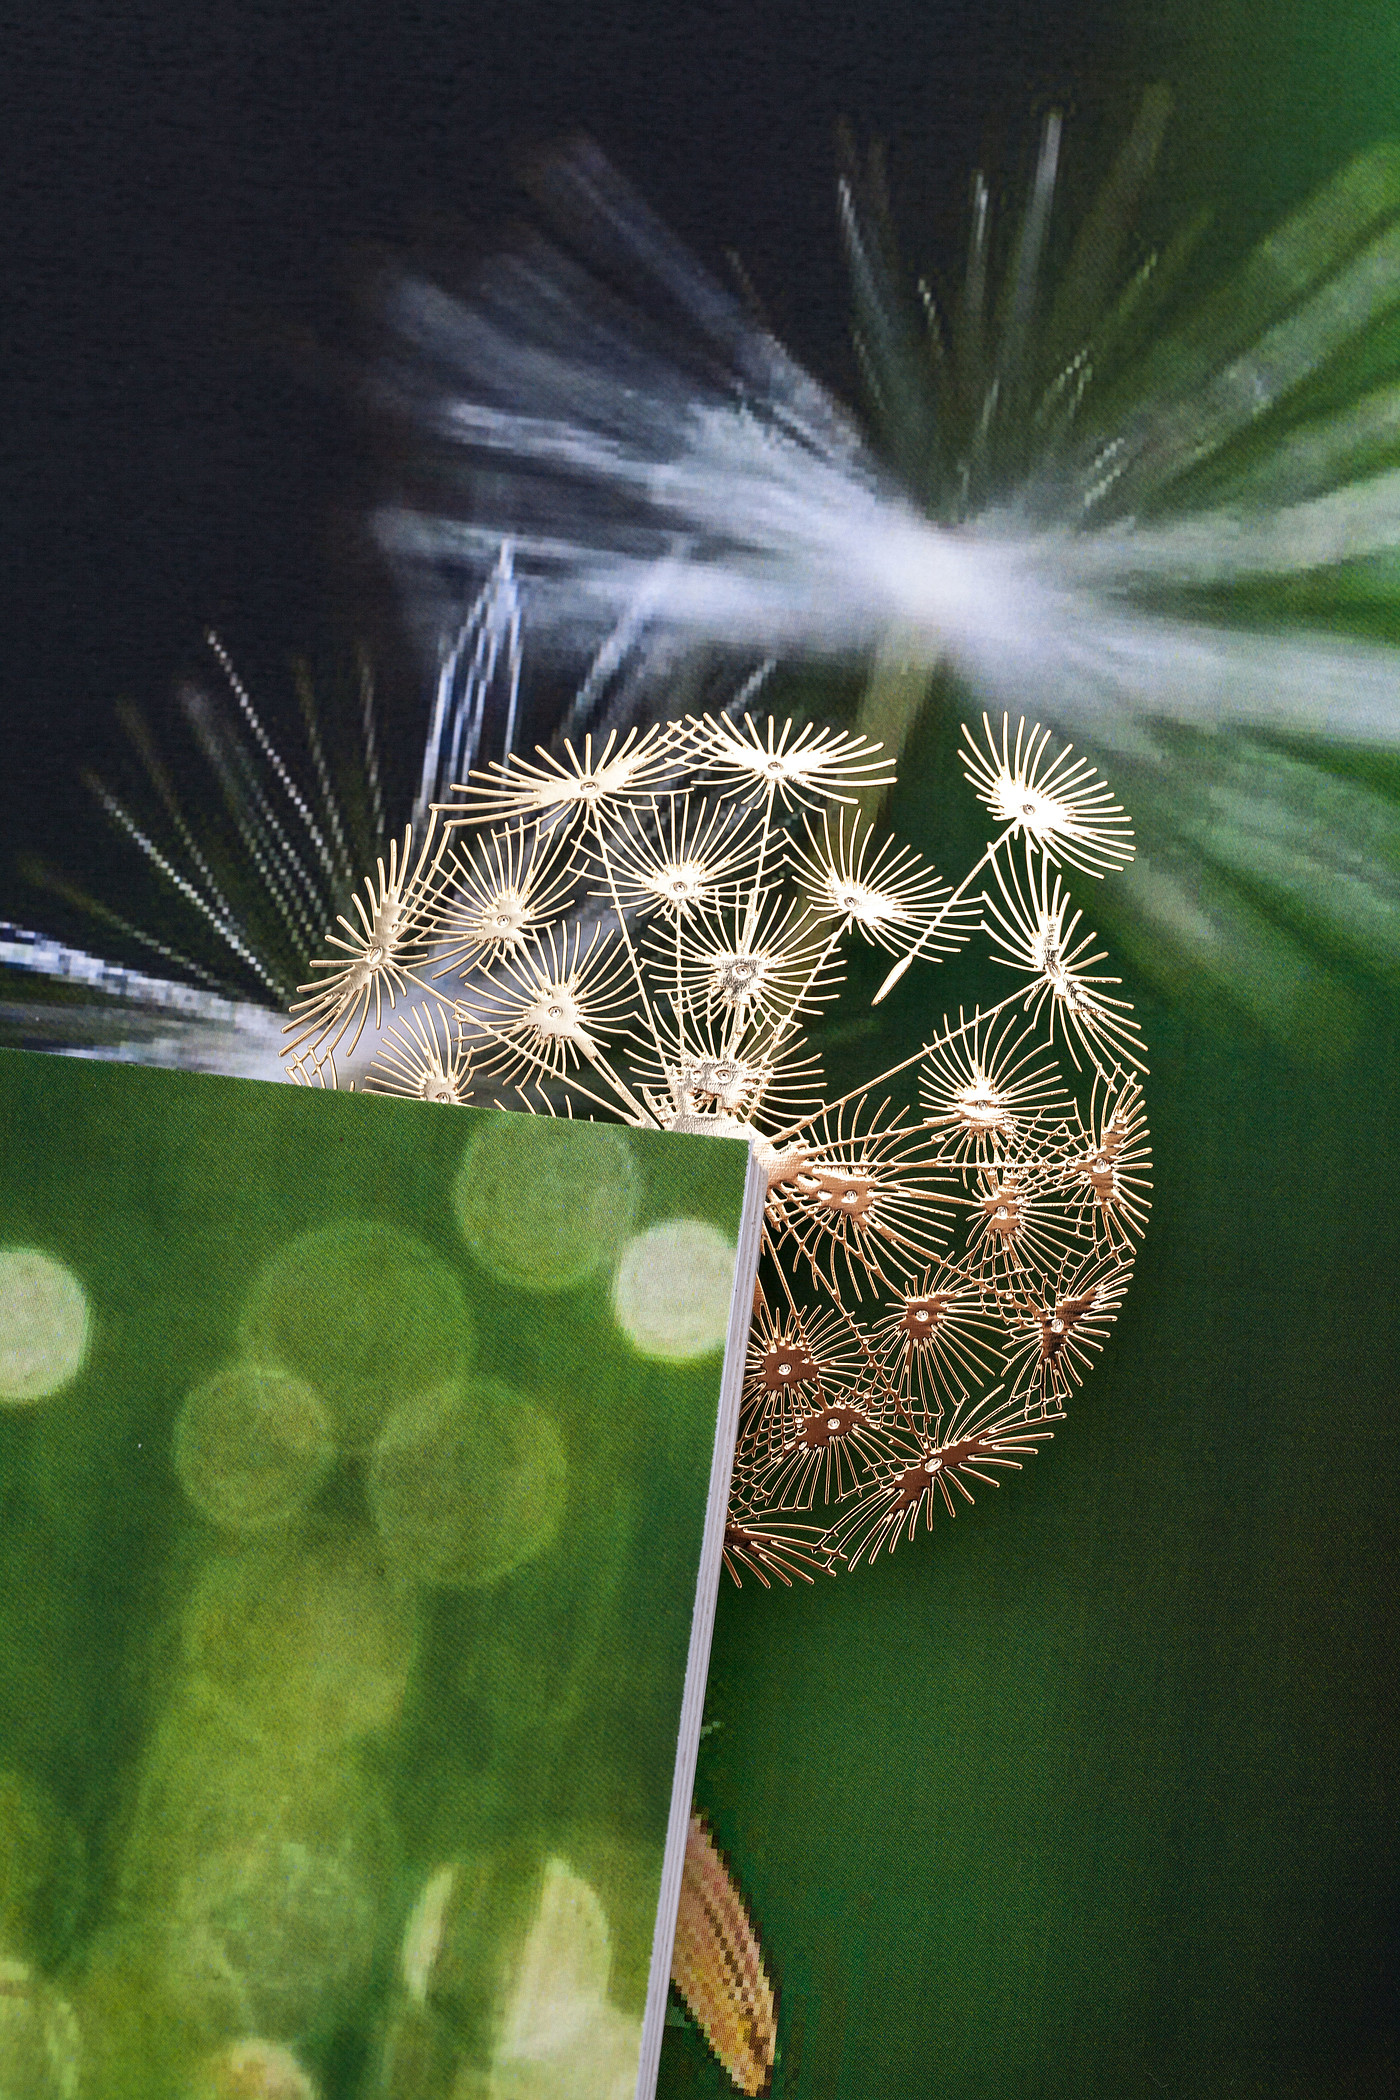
(353, 1475)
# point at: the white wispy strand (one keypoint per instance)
(663, 444)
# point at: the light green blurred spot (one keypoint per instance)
(274, 1933)
(252, 1446)
(252, 2069)
(466, 1484)
(307, 1636)
(560, 2038)
(363, 1314)
(44, 1325)
(626, 1875)
(212, 1781)
(543, 1204)
(673, 1288)
(39, 2041)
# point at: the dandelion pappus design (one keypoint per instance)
(493, 897)
(987, 1089)
(981, 1439)
(1107, 1171)
(581, 784)
(867, 1201)
(1056, 1331)
(774, 1552)
(885, 893)
(794, 1363)
(382, 955)
(938, 1338)
(1019, 1222)
(1060, 803)
(835, 1445)
(806, 767)
(1031, 922)
(643, 927)
(423, 1058)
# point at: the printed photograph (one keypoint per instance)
(353, 1474)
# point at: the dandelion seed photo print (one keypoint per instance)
(353, 1516)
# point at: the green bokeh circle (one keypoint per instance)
(543, 1204)
(365, 1315)
(467, 1483)
(252, 1446)
(45, 1325)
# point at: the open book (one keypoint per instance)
(363, 1476)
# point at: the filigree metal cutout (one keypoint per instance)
(643, 930)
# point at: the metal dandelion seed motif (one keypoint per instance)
(1059, 802)
(643, 929)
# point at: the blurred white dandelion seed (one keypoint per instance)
(1066, 465)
